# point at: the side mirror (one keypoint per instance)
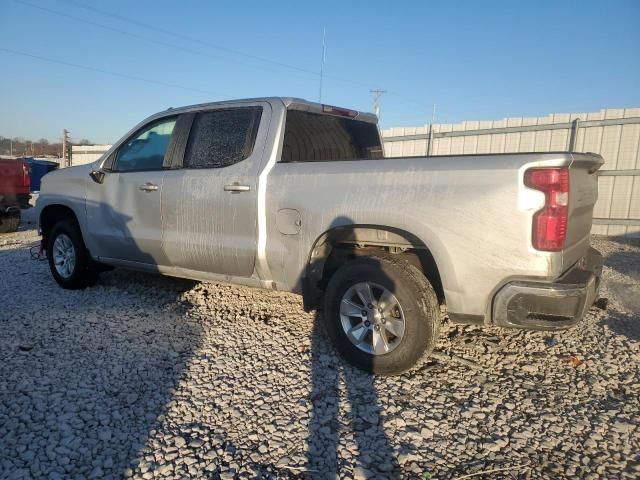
(97, 176)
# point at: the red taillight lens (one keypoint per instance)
(550, 223)
(340, 112)
(550, 229)
(26, 179)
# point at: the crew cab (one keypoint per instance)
(285, 194)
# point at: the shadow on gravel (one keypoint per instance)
(626, 293)
(624, 240)
(88, 383)
(86, 375)
(373, 452)
(619, 261)
(627, 325)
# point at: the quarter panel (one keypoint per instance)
(467, 210)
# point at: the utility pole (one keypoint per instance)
(376, 95)
(430, 137)
(324, 32)
(66, 149)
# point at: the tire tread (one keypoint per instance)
(85, 274)
(428, 317)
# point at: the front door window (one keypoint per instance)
(146, 149)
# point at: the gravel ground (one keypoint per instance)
(143, 376)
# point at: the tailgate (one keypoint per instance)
(14, 177)
(8, 176)
(583, 193)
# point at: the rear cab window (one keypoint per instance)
(316, 137)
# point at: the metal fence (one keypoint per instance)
(613, 133)
(82, 154)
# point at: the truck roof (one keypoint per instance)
(291, 103)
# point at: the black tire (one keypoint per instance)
(84, 273)
(416, 297)
(9, 223)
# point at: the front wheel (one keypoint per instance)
(382, 314)
(70, 264)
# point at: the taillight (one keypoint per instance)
(550, 223)
(26, 179)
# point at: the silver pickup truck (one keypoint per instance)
(285, 194)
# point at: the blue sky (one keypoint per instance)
(474, 60)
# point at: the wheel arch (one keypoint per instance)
(52, 214)
(342, 243)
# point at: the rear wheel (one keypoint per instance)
(69, 261)
(382, 314)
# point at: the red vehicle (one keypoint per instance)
(14, 192)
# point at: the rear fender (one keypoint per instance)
(359, 237)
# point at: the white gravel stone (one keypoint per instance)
(143, 376)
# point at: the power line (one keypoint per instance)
(115, 74)
(127, 33)
(107, 27)
(118, 17)
(189, 38)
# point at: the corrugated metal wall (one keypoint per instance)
(613, 133)
(82, 154)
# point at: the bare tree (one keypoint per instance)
(18, 146)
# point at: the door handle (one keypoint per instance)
(148, 187)
(235, 187)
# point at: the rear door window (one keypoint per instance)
(313, 137)
(220, 138)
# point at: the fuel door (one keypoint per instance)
(288, 221)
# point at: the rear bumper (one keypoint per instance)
(14, 200)
(550, 306)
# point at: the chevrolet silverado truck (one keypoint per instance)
(285, 194)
